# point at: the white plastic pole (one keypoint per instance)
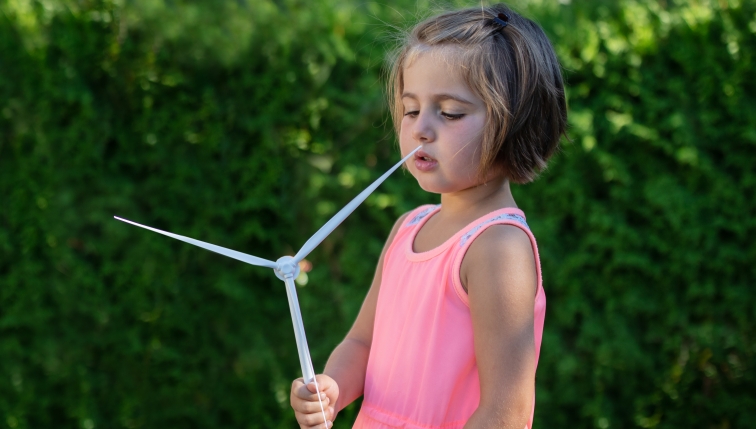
(299, 333)
(308, 373)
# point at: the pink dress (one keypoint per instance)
(422, 372)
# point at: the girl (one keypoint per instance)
(450, 331)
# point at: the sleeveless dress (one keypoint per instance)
(421, 371)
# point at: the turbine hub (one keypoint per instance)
(286, 267)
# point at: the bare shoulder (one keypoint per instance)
(501, 252)
(501, 241)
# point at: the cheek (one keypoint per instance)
(404, 132)
(469, 141)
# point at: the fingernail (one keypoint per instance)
(323, 397)
(330, 423)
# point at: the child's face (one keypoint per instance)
(442, 114)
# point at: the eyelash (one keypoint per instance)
(448, 116)
(451, 117)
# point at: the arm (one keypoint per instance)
(343, 379)
(500, 276)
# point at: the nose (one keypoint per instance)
(423, 130)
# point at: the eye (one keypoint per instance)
(452, 116)
(412, 113)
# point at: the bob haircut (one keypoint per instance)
(513, 69)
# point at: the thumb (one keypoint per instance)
(324, 383)
(311, 387)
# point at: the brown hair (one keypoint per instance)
(513, 69)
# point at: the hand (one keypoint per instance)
(304, 401)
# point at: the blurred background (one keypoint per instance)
(247, 123)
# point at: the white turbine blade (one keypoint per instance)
(254, 260)
(339, 217)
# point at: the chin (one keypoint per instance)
(429, 189)
(425, 185)
(431, 186)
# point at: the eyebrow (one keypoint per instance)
(439, 97)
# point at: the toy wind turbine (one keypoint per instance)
(287, 269)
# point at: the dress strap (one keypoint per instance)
(418, 214)
(505, 216)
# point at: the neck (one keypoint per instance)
(478, 200)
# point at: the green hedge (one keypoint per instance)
(248, 123)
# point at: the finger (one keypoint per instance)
(311, 407)
(300, 390)
(312, 387)
(324, 379)
(301, 400)
(313, 421)
(296, 384)
(303, 392)
(325, 382)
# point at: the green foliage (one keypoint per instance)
(248, 123)
(646, 220)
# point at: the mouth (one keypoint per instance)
(425, 162)
(423, 156)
